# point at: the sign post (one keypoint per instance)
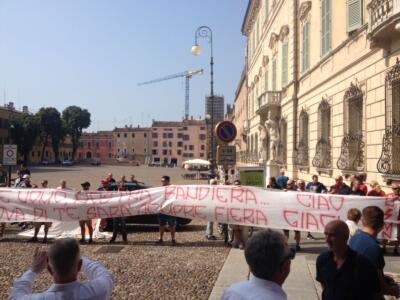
(226, 155)
(9, 158)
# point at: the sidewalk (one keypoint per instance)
(299, 285)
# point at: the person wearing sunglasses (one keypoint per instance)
(342, 272)
(269, 258)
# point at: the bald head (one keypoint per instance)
(336, 235)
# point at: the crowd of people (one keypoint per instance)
(352, 268)
(357, 187)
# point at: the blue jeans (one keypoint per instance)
(116, 223)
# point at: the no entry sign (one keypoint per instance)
(9, 155)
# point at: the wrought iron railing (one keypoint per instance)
(381, 11)
(389, 162)
(352, 153)
(269, 98)
(322, 158)
(301, 155)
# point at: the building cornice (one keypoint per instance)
(250, 17)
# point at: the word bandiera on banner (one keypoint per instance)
(224, 204)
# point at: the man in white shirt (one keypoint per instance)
(269, 258)
(63, 261)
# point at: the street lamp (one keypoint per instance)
(206, 32)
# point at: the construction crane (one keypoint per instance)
(187, 75)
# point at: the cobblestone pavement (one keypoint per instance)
(142, 269)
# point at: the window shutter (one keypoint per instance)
(274, 75)
(306, 47)
(325, 26)
(284, 64)
(354, 15)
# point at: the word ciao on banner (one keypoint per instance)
(225, 204)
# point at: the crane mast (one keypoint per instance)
(188, 75)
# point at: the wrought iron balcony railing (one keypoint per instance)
(352, 153)
(383, 14)
(268, 99)
(322, 158)
(389, 162)
(301, 155)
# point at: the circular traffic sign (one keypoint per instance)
(225, 131)
(10, 153)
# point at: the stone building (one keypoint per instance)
(132, 143)
(327, 74)
(175, 142)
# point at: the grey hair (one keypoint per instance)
(264, 253)
(64, 256)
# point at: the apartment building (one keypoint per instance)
(175, 142)
(331, 86)
(133, 143)
(96, 146)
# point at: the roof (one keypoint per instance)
(166, 124)
(131, 129)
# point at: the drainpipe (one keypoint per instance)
(295, 99)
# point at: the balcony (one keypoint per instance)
(383, 16)
(268, 99)
(389, 162)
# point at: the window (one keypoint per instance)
(33, 154)
(165, 144)
(185, 128)
(179, 144)
(125, 135)
(89, 145)
(145, 150)
(202, 128)
(133, 135)
(179, 152)
(322, 158)
(202, 147)
(202, 137)
(109, 145)
(201, 154)
(154, 135)
(305, 54)
(170, 152)
(185, 147)
(284, 64)
(165, 152)
(170, 135)
(155, 144)
(186, 137)
(301, 158)
(170, 144)
(165, 135)
(354, 14)
(133, 150)
(179, 135)
(97, 144)
(109, 155)
(118, 135)
(145, 135)
(325, 26)
(274, 74)
(154, 152)
(191, 147)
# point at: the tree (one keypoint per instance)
(75, 119)
(50, 127)
(24, 131)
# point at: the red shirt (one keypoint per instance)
(375, 193)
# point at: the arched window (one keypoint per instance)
(301, 158)
(322, 158)
(352, 151)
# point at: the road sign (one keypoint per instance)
(225, 131)
(9, 155)
(226, 155)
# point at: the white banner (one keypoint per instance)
(224, 204)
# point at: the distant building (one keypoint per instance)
(96, 145)
(215, 107)
(132, 143)
(37, 152)
(175, 142)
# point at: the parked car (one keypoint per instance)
(67, 162)
(95, 162)
(44, 162)
(140, 219)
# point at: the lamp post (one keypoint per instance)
(206, 32)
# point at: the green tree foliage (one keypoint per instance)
(50, 127)
(24, 131)
(75, 119)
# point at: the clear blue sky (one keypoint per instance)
(92, 53)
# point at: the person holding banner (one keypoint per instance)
(119, 223)
(63, 261)
(164, 219)
(210, 225)
(394, 196)
(86, 185)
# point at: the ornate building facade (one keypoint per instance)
(332, 87)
